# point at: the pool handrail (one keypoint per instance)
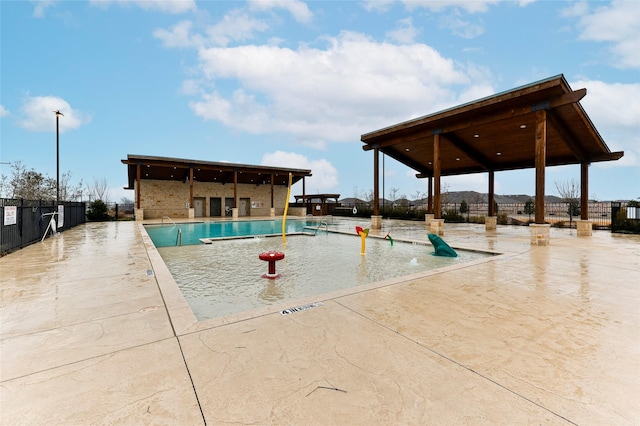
(170, 220)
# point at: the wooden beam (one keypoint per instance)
(437, 206)
(235, 189)
(475, 155)
(138, 172)
(584, 191)
(376, 172)
(272, 183)
(191, 187)
(540, 154)
(566, 137)
(491, 199)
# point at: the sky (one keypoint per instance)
(295, 84)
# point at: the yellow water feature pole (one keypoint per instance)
(286, 209)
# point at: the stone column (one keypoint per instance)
(139, 214)
(234, 213)
(191, 213)
(584, 228)
(437, 227)
(427, 220)
(376, 222)
(490, 223)
(539, 234)
(272, 212)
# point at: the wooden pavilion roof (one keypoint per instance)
(497, 133)
(164, 168)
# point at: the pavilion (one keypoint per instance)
(534, 126)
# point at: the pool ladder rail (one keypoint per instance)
(179, 237)
(170, 220)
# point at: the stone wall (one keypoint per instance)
(160, 198)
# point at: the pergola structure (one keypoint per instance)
(534, 126)
(141, 167)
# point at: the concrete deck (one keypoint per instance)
(93, 331)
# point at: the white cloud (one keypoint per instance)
(36, 115)
(235, 26)
(178, 36)
(331, 94)
(165, 6)
(405, 33)
(299, 10)
(614, 110)
(616, 23)
(41, 6)
(461, 27)
(438, 6)
(4, 112)
(325, 175)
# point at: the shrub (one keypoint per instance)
(98, 211)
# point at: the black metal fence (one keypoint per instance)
(23, 222)
(557, 214)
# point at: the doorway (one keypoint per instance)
(245, 207)
(198, 207)
(215, 206)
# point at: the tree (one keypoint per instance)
(98, 211)
(32, 185)
(463, 207)
(569, 191)
(99, 190)
(529, 208)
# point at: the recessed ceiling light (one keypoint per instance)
(523, 126)
(498, 153)
(429, 162)
(406, 149)
(476, 135)
(457, 158)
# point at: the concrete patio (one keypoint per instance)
(94, 331)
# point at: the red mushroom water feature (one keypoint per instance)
(272, 257)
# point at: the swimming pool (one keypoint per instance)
(191, 233)
(225, 277)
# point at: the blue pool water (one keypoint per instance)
(225, 277)
(167, 235)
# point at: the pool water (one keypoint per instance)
(225, 277)
(167, 235)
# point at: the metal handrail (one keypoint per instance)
(179, 237)
(170, 220)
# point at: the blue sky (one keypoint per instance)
(295, 84)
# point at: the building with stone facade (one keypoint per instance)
(182, 188)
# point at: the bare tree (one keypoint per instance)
(569, 191)
(393, 194)
(99, 190)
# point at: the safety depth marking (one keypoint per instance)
(300, 308)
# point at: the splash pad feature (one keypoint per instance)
(442, 248)
(272, 257)
(364, 233)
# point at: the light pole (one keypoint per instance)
(58, 114)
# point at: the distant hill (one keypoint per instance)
(456, 197)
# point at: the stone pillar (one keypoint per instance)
(584, 228)
(376, 222)
(272, 212)
(490, 223)
(234, 213)
(437, 227)
(191, 213)
(139, 214)
(427, 220)
(539, 234)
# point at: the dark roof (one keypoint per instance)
(164, 168)
(497, 133)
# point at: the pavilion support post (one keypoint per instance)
(234, 209)
(304, 194)
(584, 226)
(376, 219)
(428, 217)
(437, 224)
(139, 213)
(491, 221)
(272, 210)
(191, 210)
(540, 230)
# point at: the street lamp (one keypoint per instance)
(58, 114)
